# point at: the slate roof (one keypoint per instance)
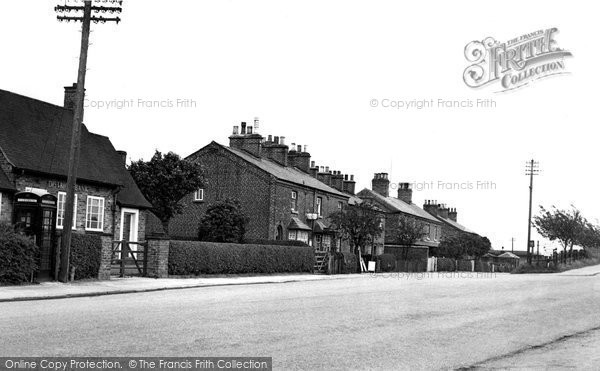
(456, 225)
(296, 223)
(5, 184)
(397, 205)
(285, 173)
(508, 255)
(36, 136)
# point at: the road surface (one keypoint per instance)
(391, 321)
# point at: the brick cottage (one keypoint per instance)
(285, 195)
(35, 137)
(401, 206)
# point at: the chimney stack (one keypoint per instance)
(405, 192)
(123, 156)
(337, 181)
(349, 184)
(276, 150)
(431, 207)
(452, 214)
(246, 140)
(443, 211)
(70, 97)
(381, 184)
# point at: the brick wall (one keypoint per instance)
(226, 177)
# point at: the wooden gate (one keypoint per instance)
(129, 261)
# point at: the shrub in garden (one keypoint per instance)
(198, 257)
(18, 255)
(275, 242)
(86, 255)
(387, 262)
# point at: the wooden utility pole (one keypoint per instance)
(86, 19)
(531, 170)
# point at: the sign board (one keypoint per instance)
(371, 267)
(532, 243)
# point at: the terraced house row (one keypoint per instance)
(288, 197)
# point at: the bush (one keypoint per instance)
(195, 258)
(86, 255)
(18, 256)
(387, 262)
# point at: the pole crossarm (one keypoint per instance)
(93, 19)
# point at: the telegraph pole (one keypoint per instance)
(74, 151)
(531, 170)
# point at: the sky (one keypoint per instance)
(174, 76)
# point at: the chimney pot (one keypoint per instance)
(282, 140)
(269, 138)
(312, 164)
(352, 177)
(249, 130)
(256, 123)
(326, 169)
(276, 140)
(299, 148)
(235, 130)
(305, 148)
(243, 128)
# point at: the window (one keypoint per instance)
(60, 212)
(294, 201)
(94, 216)
(319, 206)
(427, 232)
(297, 235)
(435, 237)
(199, 195)
(340, 205)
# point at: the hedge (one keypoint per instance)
(18, 256)
(198, 257)
(275, 242)
(86, 255)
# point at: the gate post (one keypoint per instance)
(105, 258)
(158, 257)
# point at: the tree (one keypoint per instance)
(409, 231)
(224, 222)
(359, 224)
(164, 181)
(462, 245)
(566, 226)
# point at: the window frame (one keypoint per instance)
(294, 196)
(101, 216)
(196, 193)
(61, 193)
(319, 204)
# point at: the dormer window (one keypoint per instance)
(199, 195)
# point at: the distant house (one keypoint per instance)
(35, 139)
(402, 206)
(448, 217)
(284, 194)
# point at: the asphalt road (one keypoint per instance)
(431, 321)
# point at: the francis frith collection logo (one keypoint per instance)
(516, 62)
